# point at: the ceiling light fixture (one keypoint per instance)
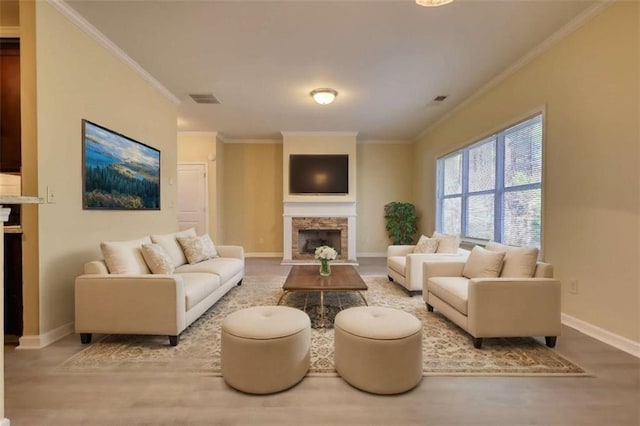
(433, 3)
(324, 96)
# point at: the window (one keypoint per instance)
(492, 189)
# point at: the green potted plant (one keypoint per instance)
(401, 222)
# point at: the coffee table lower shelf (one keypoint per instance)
(306, 278)
(323, 323)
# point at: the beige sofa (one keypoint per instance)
(496, 306)
(405, 267)
(147, 303)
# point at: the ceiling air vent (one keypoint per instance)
(440, 98)
(204, 98)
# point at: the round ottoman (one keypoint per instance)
(378, 350)
(265, 349)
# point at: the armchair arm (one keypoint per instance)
(137, 304)
(514, 307)
(399, 250)
(231, 251)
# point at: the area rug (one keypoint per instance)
(448, 350)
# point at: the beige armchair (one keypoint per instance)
(495, 307)
(405, 267)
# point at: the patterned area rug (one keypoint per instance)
(448, 350)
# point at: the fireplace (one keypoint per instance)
(312, 232)
(310, 224)
(310, 240)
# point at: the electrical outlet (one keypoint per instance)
(573, 286)
(51, 195)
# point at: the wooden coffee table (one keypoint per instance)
(307, 278)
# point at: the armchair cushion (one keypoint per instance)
(426, 245)
(447, 243)
(452, 290)
(398, 264)
(483, 263)
(519, 262)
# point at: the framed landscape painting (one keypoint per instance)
(118, 173)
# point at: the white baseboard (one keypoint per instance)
(39, 341)
(264, 254)
(619, 342)
(372, 254)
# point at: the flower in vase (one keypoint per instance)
(326, 253)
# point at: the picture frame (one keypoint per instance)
(118, 173)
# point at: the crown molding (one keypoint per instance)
(10, 32)
(189, 133)
(541, 48)
(252, 141)
(385, 142)
(285, 133)
(71, 14)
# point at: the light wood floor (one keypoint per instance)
(36, 395)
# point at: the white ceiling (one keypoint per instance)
(387, 59)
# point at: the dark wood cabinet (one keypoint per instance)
(10, 132)
(13, 284)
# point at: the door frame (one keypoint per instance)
(206, 187)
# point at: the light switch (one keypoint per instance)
(51, 195)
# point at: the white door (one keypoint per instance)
(192, 197)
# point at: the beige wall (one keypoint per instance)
(252, 206)
(201, 148)
(589, 83)
(384, 175)
(76, 79)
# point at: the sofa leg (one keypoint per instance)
(173, 340)
(85, 338)
(429, 308)
(550, 341)
(390, 279)
(239, 282)
(477, 342)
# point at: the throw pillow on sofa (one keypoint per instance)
(197, 249)
(519, 262)
(157, 259)
(125, 257)
(426, 245)
(171, 246)
(447, 243)
(483, 263)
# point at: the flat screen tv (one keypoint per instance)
(318, 174)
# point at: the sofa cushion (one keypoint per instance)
(157, 259)
(198, 286)
(453, 290)
(197, 249)
(519, 262)
(225, 267)
(125, 257)
(483, 263)
(398, 264)
(170, 244)
(426, 245)
(447, 243)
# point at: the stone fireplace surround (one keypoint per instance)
(319, 216)
(318, 226)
